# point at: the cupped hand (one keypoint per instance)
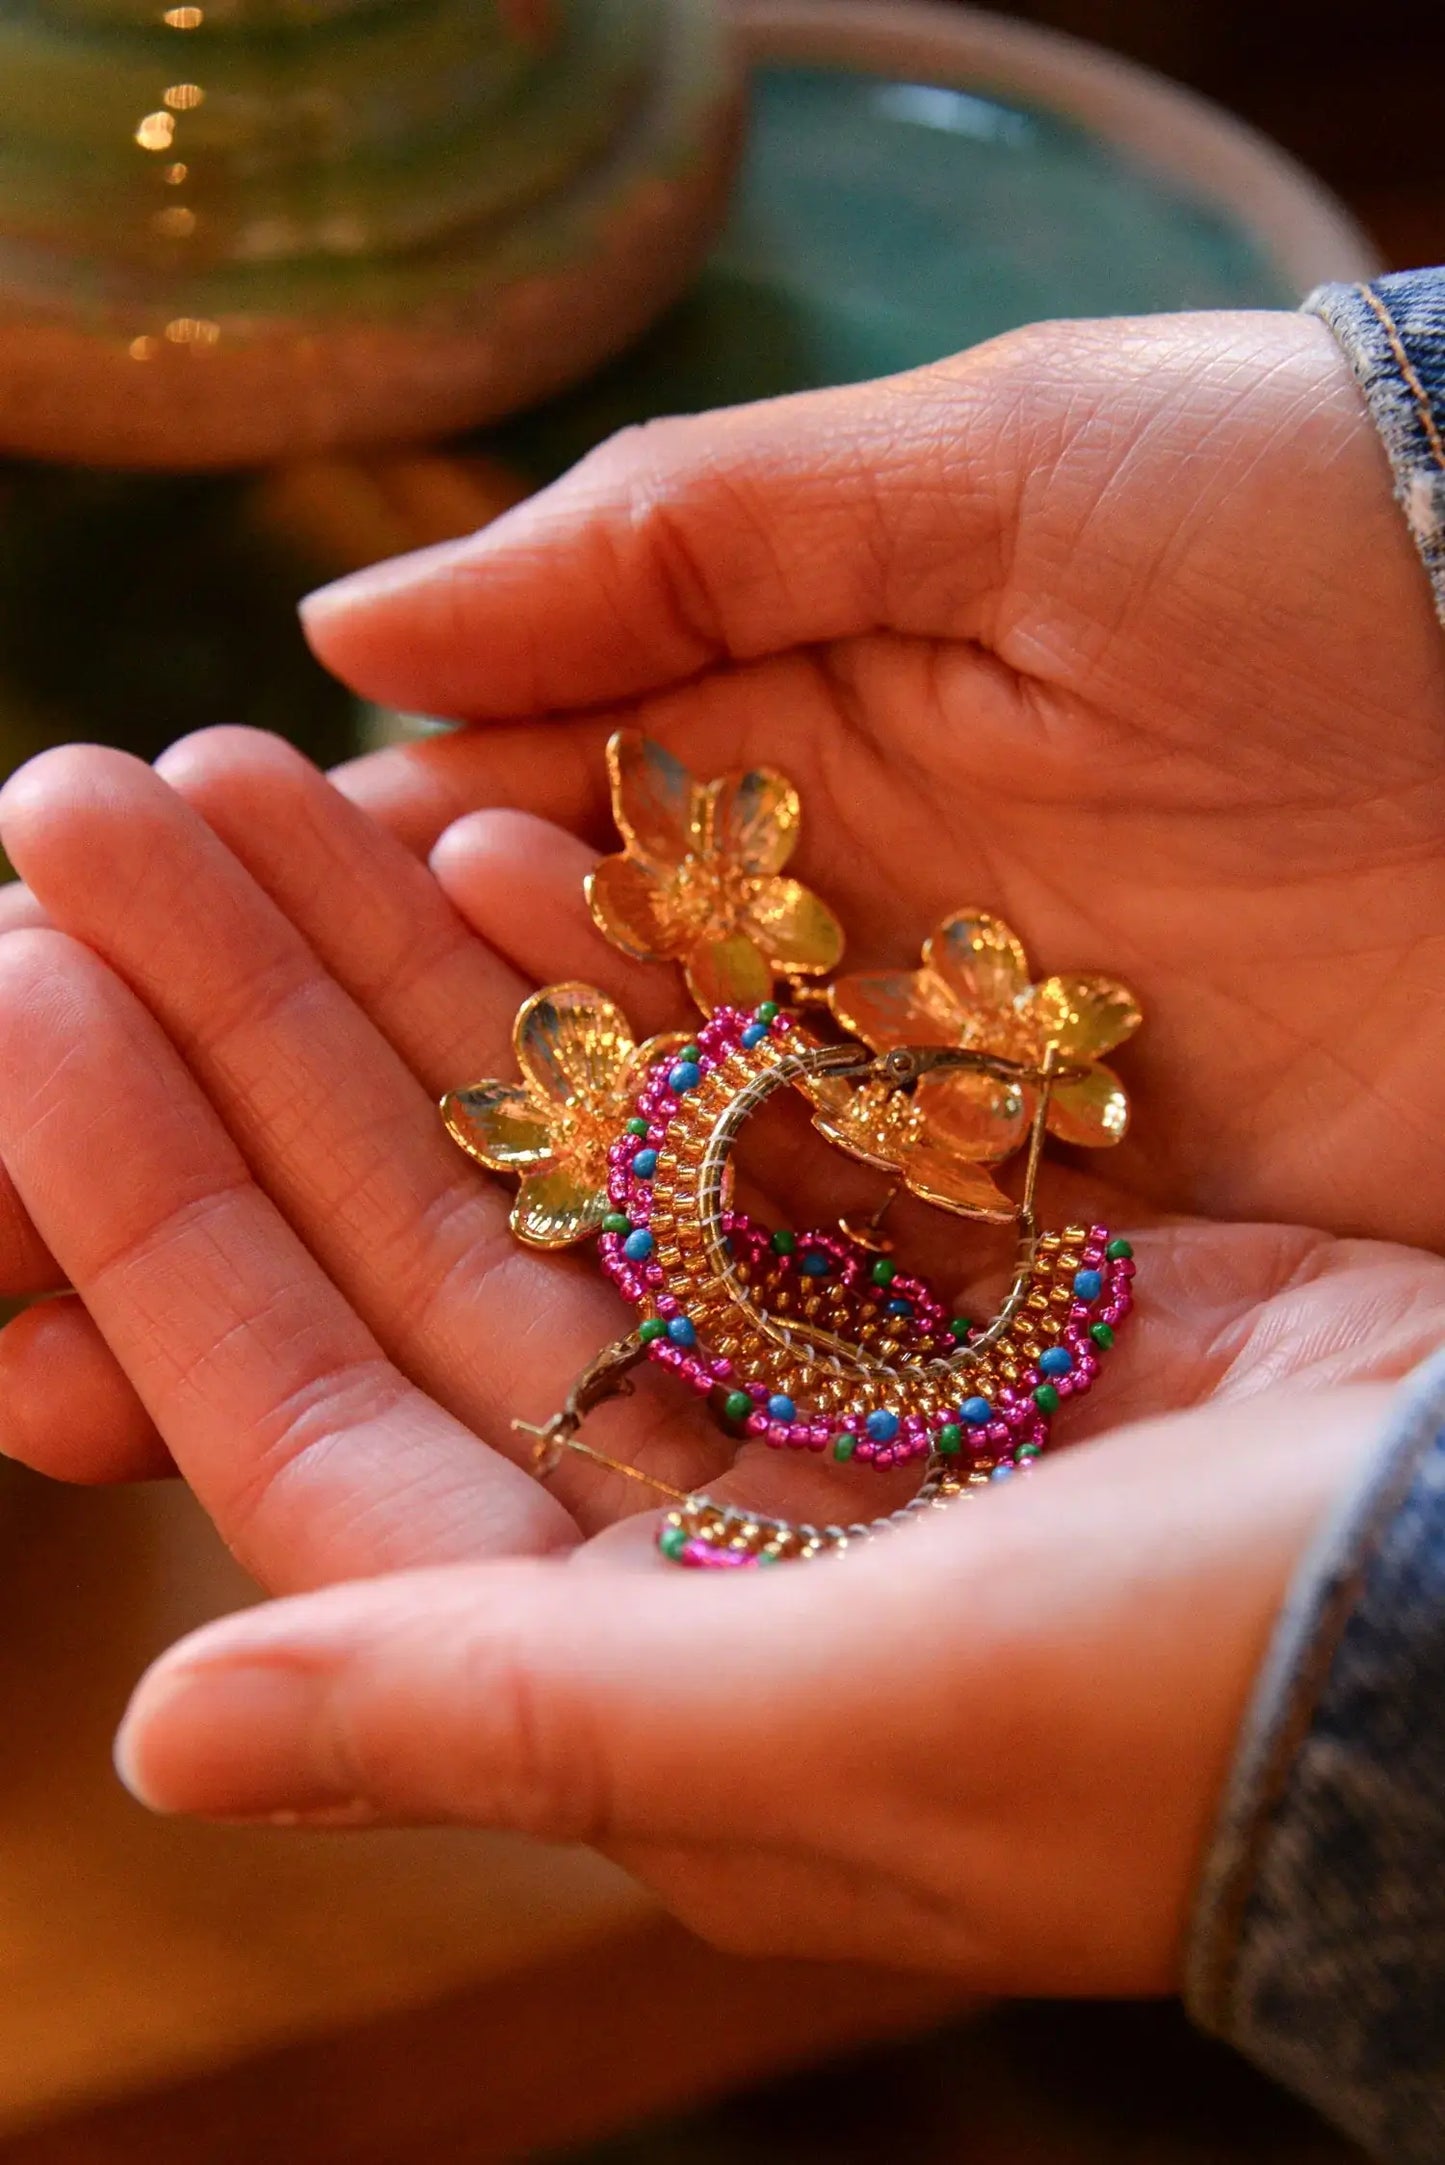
(1113, 629)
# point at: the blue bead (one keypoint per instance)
(644, 1165)
(1057, 1361)
(815, 1264)
(781, 1408)
(976, 1411)
(898, 1308)
(685, 1076)
(1088, 1285)
(638, 1245)
(881, 1426)
(754, 1034)
(1001, 1473)
(682, 1331)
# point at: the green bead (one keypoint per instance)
(768, 1012)
(690, 1053)
(672, 1540)
(1102, 1334)
(769, 1556)
(844, 1446)
(950, 1439)
(1046, 1398)
(1027, 1450)
(653, 1328)
(884, 1271)
(783, 1242)
(737, 1405)
(637, 1126)
(961, 1326)
(617, 1221)
(1119, 1251)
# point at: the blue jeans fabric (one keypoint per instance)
(1393, 333)
(1318, 1943)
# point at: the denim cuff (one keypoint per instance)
(1393, 333)
(1317, 1939)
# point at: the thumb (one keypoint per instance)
(601, 1705)
(722, 537)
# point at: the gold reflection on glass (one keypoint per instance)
(183, 97)
(176, 223)
(193, 331)
(155, 131)
(144, 349)
(184, 18)
(175, 174)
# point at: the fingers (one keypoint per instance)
(19, 910)
(67, 1407)
(314, 1455)
(518, 882)
(416, 790)
(564, 1703)
(359, 900)
(691, 542)
(344, 1138)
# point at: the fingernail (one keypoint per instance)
(392, 576)
(234, 1740)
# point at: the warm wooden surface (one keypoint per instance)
(134, 1949)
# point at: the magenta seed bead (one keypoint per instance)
(779, 1433)
(722, 1367)
(758, 1392)
(669, 1306)
(757, 1424)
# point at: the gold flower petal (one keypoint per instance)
(981, 963)
(629, 906)
(728, 973)
(938, 1176)
(798, 933)
(556, 1206)
(573, 1045)
(1086, 1016)
(1093, 1112)
(868, 1120)
(499, 1124)
(976, 1117)
(894, 1007)
(751, 820)
(656, 803)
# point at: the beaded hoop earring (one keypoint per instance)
(807, 1341)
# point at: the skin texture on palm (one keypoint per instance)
(1114, 629)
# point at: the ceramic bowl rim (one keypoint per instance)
(1301, 227)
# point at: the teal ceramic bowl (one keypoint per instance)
(919, 178)
(915, 179)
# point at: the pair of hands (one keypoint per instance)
(1114, 629)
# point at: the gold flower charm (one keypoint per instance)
(699, 879)
(974, 991)
(581, 1071)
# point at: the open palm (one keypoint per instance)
(1088, 627)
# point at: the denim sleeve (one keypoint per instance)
(1393, 333)
(1318, 1941)
(1318, 1946)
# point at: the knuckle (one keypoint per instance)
(537, 1761)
